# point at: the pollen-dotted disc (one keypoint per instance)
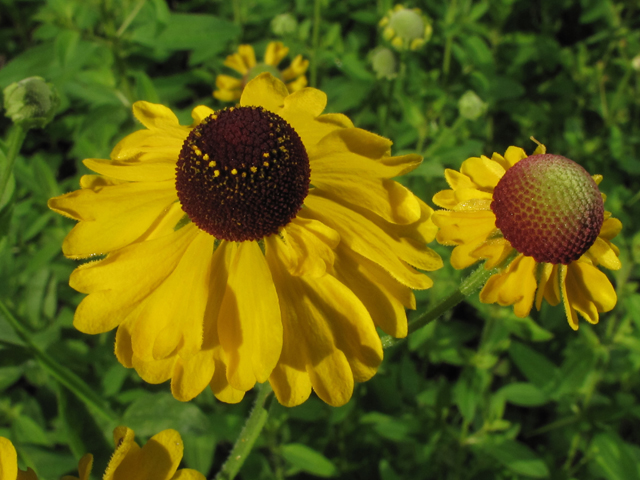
(549, 208)
(242, 174)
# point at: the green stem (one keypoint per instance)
(248, 435)
(64, 376)
(16, 139)
(317, 4)
(469, 286)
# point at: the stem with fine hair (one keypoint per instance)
(249, 434)
(16, 139)
(469, 286)
(317, 5)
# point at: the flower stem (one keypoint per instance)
(16, 139)
(469, 286)
(63, 375)
(317, 4)
(249, 434)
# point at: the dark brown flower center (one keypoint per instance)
(242, 174)
(549, 208)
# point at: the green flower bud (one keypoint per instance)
(31, 103)
(406, 29)
(284, 24)
(471, 105)
(383, 62)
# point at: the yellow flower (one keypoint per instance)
(295, 245)
(244, 62)
(549, 213)
(157, 460)
(406, 28)
(9, 463)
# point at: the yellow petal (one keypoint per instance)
(242, 61)
(150, 146)
(297, 84)
(482, 171)
(307, 247)
(514, 154)
(113, 217)
(173, 314)
(275, 52)
(158, 459)
(160, 119)
(515, 286)
(544, 275)
(602, 252)
(125, 278)
(8, 460)
(369, 240)
(588, 291)
(226, 82)
(188, 474)
(123, 438)
(221, 388)
(227, 95)
(84, 468)
(249, 323)
(154, 371)
(335, 339)
(265, 91)
(384, 298)
(191, 377)
(298, 67)
(148, 171)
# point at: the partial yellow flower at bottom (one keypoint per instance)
(264, 242)
(548, 212)
(244, 62)
(9, 463)
(158, 459)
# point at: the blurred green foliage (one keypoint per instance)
(479, 394)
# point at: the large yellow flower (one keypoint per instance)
(158, 459)
(547, 212)
(294, 246)
(244, 62)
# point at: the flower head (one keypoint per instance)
(158, 459)
(263, 242)
(244, 62)
(546, 212)
(406, 28)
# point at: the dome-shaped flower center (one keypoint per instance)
(549, 208)
(242, 174)
(407, 24)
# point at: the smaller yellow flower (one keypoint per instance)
(546, 213)
(158, 459)
(244, 62)
(406, 28)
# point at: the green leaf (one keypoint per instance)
(614, 457)
(308, 460)
(535, 366)
(152, 413)
(199, 451)
(523, 394)
(26, 430)
(83, 433)
(517, 457)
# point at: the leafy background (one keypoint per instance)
(478, 394)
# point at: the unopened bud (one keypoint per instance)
(31, 103)
(471, 105)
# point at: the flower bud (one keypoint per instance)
(383, 62)
(471, 105)
(31, 103)
(406, 29)
(284, 24)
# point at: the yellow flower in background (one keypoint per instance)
(158, 459)
(406, 28)
(263, 242)
(244, 62)
(9, 463)
(547, 211)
